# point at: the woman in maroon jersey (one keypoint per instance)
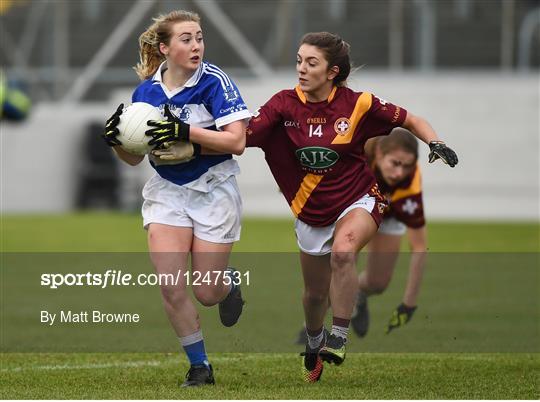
(393, 159)
(313, 138)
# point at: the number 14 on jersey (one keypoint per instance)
(315, 132)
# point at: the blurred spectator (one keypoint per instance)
(15, 103)
(98, 177)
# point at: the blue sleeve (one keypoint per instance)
(227, 104)
(136, 97)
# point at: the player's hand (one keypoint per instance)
(172, 129)
(439, 150)
(111, 130)
(400, 316)
(180, 152)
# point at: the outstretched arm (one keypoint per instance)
(418, 246)
(404, 312)
(423, 130)
(420, 128)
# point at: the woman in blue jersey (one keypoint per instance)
(195, 206)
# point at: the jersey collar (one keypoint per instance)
(191, 82)
(302, 96)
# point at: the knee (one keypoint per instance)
(342, 257)
(315, 298)
(206, 295)
(377, 285)
(345, 242)
(173, 295)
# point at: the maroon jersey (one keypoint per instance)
(404, 199)
(316, 150)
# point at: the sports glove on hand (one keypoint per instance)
(400, 316)
(439, 150)
(172, 129)
(180, 152)
(111, 129)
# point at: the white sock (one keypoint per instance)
(342, 332)
(191, 339)
(315, 341)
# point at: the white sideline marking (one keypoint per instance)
(85, 366)
(134, 363)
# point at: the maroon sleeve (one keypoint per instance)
(410, 211)
(263, 123)
(384, 116)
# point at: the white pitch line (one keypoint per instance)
(137, 363)
(85, 366)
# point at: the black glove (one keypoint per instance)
(400, 316)
(111, 129)
(172, 129)
(440, 150)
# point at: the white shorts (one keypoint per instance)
(391, 226)
(214, 215)
(317, 241)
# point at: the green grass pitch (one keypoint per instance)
(475, 336)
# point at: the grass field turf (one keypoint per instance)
(122, 232)
(272, 376)
(266, 375)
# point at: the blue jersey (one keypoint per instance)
(209, 99)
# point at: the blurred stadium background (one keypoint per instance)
(471, 67)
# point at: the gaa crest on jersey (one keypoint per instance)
(184, 114)
(230, 94)
(317, 157)
(181, 113)
(342, 126)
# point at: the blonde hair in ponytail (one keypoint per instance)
(159, 32)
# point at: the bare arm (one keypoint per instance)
(232, 138)
(418, 246)
(423, 130)
(130, 159)
(420, 128)
(208, 151)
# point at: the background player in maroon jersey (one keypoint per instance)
(313, 138)
(394, 161)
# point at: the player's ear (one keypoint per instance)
(164, 49)
(333, 72)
